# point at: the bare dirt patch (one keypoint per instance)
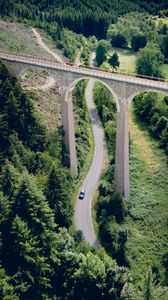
(46, 96)
(19, 38)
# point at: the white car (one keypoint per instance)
(82, 194)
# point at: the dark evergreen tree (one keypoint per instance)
(7, 291)
(138, 41)
(118, 40)
(114, 60)
(58, 197)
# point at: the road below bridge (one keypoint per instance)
(83, 217)
(83, 211)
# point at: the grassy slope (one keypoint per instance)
(148, 203)
(19, 38)
(127, 60)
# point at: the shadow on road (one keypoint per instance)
(94, 117)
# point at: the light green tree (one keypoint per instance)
(102, 50)
(149, 61)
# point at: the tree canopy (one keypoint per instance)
(149, 61)
(102, 50)
(114, 60)
(86, 17)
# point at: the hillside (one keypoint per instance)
(42, 256)
(19, 38)
(86, 17)
(41, 259)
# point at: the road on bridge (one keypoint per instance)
(83, 217)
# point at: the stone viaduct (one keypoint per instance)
(123, 88)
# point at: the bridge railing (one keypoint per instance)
(132, 77)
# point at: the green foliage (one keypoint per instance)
(90, 277)
(133, 24)
(117, 207)
(105, 66)
(71, 43)
(110, 207)
(149, 61)
(164, 47)
(114, 60)
(39, 259)
(6, 289)
(88, 46)
(114, 239)
(138, 41)
(83, 133)
(58, 197)
(4, 208)
(82, 17)
(102, 50)
(9, 179)
(118, 40)
(151, 110)
(17, 116)
(162, 27)
(147, 206)
(106, 108)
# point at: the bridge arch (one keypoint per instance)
(147, 90)
(72, 85)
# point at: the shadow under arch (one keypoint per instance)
(147, 90)
(73, 84)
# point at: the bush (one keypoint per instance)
(119, 40)
(117, 207)
(138, 41)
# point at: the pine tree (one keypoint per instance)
(31, 205)
(6, 289)
(29, 258)
(4, 209)
(114, 60)
(58, 199)
(9, 179)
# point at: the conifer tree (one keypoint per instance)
(28, 257)
(114, 60)
(6, 289)
(58, 199)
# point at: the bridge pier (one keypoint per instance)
(69, 132)
(121, 178)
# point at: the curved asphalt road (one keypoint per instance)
(83, 218)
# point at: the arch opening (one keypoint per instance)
(73, 84)
(131, 98)
(148, 124)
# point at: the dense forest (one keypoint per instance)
(86, 17)
(40, 259)
(41, 254)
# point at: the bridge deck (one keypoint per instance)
(83, 71)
